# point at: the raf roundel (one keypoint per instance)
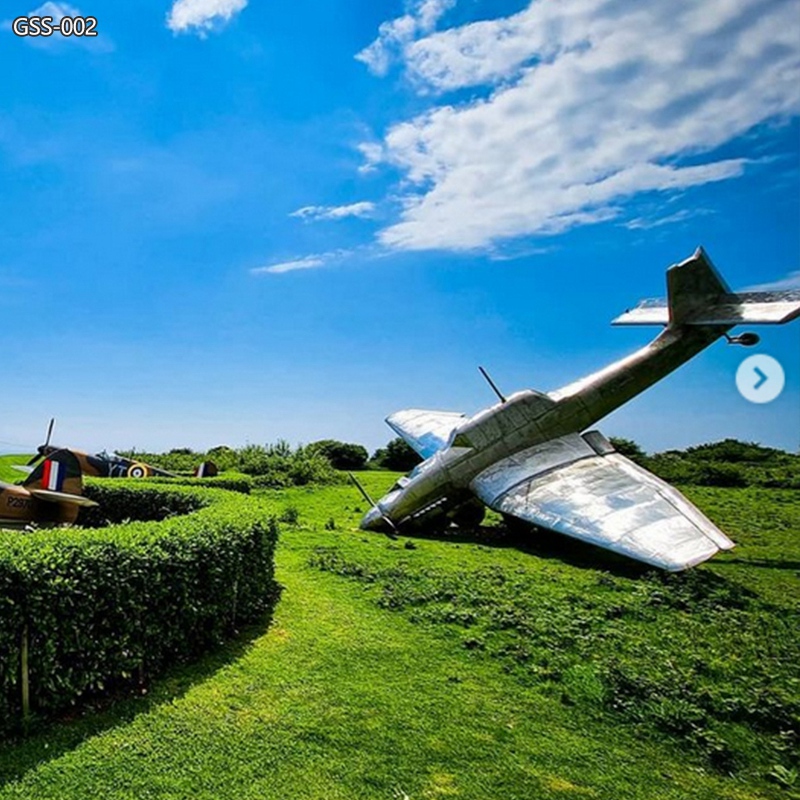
(138, 471)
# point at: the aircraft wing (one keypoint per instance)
(162, 473)
(426, 431)
(62, 497)
(579, 486)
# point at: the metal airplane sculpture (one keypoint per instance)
(51, 495)
(111, 465)
(527, 457)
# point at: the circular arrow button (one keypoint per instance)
(760, 379)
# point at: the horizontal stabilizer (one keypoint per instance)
(62, 497)
(697, 295)
(754, 308)
(426, 431)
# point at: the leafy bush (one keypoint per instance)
(629, 448)
(232, 481)
(110, 605)
(125, 500)
(290, 515)
(180, 459)
(679, 468)
(734, 451)
(342, 455)
(277, 465)
(396, 456)
(721, 474)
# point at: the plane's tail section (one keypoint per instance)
(698, 295)
(58, 479)
(206, 469)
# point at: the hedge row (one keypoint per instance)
(130, 499)
(111, 605)
(233, 482)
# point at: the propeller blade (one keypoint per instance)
(49, 431)
(41, 450)
(392, 532)
(361, 489)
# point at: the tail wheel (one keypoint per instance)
(139, 471)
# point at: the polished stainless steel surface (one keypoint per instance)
(605, 500)
(526, 457)
(425, 431)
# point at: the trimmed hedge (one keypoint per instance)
(107, 606)
(233, 482)
(128, 499)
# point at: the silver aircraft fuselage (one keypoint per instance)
(440, 484)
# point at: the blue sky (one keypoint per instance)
(225, 221)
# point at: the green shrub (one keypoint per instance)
(397, 456)
(728, 463)
(716, 473)
(111, 605)
(290, 515)
(233, 482)
(342, 455)
(278, 465)
(629, 448)
(124, 500)
(733, 451)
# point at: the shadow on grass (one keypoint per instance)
(542, 543)
(764, 563)
(49, 740)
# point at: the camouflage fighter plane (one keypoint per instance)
(529, 458)
(51, 495)
(111, 465)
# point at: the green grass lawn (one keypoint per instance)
(468, 668)
(7, 471)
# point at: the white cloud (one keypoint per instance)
(202, 15)
(309, 262)
(313, 261)
(373, 155)
(55, 10)
(587, 103)
(791, 281)
(362, 209)
(643, 223)
(394, 36)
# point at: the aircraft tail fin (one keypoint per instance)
(698, 295)
(57, 478)
(693, 285)
(206, 469)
